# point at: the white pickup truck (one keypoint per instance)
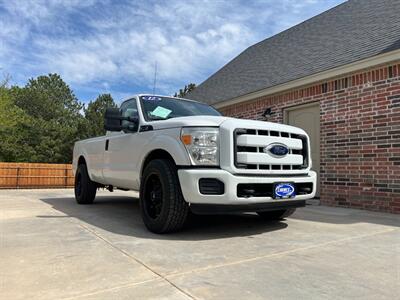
(183, 156)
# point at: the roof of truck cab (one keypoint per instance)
(165, 96)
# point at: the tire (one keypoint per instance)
(162, 205)
(85, 189)
(276, 214)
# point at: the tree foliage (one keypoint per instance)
(15, 130)
(41, 121)
(48, 98)
(186, 90)
(94, 114)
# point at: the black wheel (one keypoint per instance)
(276, 214)
(161, 202)
(85, 189)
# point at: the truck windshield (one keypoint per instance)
(162, 108)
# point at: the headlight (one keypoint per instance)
(202, 144)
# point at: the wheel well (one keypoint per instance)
(81, 161)
(156, 154)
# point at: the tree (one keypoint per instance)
(48, 97)
(15, 130)
(41, 121)
(54, 119)
(186, 90)
(94, 114)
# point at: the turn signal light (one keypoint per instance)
(186, 139)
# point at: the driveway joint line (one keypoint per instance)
(114, 288)
(136, 260)
(277, 254)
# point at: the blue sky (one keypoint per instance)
(109, 46)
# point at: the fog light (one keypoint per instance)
(211, 186)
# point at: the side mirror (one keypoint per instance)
(113, 120)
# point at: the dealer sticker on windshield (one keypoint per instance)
(151, 98)
(161, 112)
(284, 190)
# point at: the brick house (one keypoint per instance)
(337, 75)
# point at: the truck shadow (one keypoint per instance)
(121, 215)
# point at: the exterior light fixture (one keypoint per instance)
(267, 113)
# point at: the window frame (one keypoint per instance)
(147, 120)
(134, 100)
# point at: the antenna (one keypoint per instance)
(155, 78)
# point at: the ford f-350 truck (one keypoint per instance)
(183, 156)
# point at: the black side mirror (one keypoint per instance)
(113, 120)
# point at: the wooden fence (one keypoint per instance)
(33, 175)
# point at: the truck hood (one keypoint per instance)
(226, 122)
(197, 121)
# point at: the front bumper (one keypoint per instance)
(189, 180)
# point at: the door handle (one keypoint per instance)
(107, 142)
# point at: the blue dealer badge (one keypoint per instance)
(284, 190)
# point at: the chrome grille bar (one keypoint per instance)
(249, 150)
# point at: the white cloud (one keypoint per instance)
(110, 44)
(132, 50)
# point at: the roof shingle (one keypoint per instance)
(354, 30)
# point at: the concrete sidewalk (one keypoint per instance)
(52, 248)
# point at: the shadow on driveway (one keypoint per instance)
(121, 215)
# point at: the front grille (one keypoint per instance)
(249, 147)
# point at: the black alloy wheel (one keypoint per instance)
(85, 188)
(162, 205)
(153, 196)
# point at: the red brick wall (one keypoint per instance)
(360, 135)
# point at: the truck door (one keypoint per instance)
(121, 151)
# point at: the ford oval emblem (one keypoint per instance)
(277, 150)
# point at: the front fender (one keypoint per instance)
(170, 144)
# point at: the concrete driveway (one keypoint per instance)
(51, 248)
